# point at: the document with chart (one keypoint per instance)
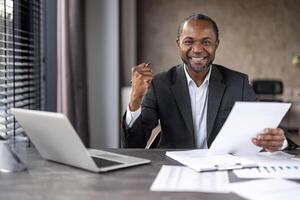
(271, 165)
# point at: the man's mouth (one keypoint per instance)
(198, 60)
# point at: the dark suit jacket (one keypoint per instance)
(168, 99)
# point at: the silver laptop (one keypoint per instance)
(56, 140)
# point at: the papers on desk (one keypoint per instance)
(268, 189)
(198, 161)
(244, 122)
(183, 179)
(179, 178)
(271, 165)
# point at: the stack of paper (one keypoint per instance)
(179, 178)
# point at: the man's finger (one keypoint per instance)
(274, 145)
(269, 143)
(274, 131)
(145, 69)
(269, 137)
(271, 149)
(140, 71)
(144, 65)
(142, 74)
(145, 73)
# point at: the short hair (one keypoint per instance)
(198, 17)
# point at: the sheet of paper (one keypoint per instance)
(268, 158)
(199, 161)
(271, 165)
(266, 189)
(179, 178)
(244, 122)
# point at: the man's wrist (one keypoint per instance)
(134, 105)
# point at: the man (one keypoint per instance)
(191, 100)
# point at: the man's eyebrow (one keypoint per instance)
(188, 38)
(205, 38)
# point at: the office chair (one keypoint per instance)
(268, 90)
(153, 141)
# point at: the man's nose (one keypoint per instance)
(197, 47)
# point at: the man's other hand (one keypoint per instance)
(141, 77)
(271, 139)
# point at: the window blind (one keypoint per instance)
(21, 66)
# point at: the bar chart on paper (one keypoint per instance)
(269, 171)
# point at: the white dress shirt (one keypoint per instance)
(199, 97)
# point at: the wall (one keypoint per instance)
(128, 41)
(102, 33)
(256, 37)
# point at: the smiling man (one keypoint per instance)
(192, 100)
(197, 43)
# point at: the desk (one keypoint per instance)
(48, 180)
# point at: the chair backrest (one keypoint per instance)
(268, 90)
(153, 141)
(267, 86)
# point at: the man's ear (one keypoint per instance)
(217, 43)
(178, 42)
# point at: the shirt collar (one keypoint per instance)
(190, 80)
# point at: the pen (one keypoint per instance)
(234, 166)
(147, 65)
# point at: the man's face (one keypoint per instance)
(197, 45)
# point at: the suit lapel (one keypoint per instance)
(215, 95)
(181, 94)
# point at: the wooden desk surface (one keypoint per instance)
(48, 180)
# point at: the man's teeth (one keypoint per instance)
(197, 59)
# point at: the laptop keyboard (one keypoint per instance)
(100, 162)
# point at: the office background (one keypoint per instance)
(259, 38)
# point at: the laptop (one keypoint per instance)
(55, 139)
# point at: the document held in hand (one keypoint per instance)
(244, 122)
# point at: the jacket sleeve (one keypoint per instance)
(138, 135)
